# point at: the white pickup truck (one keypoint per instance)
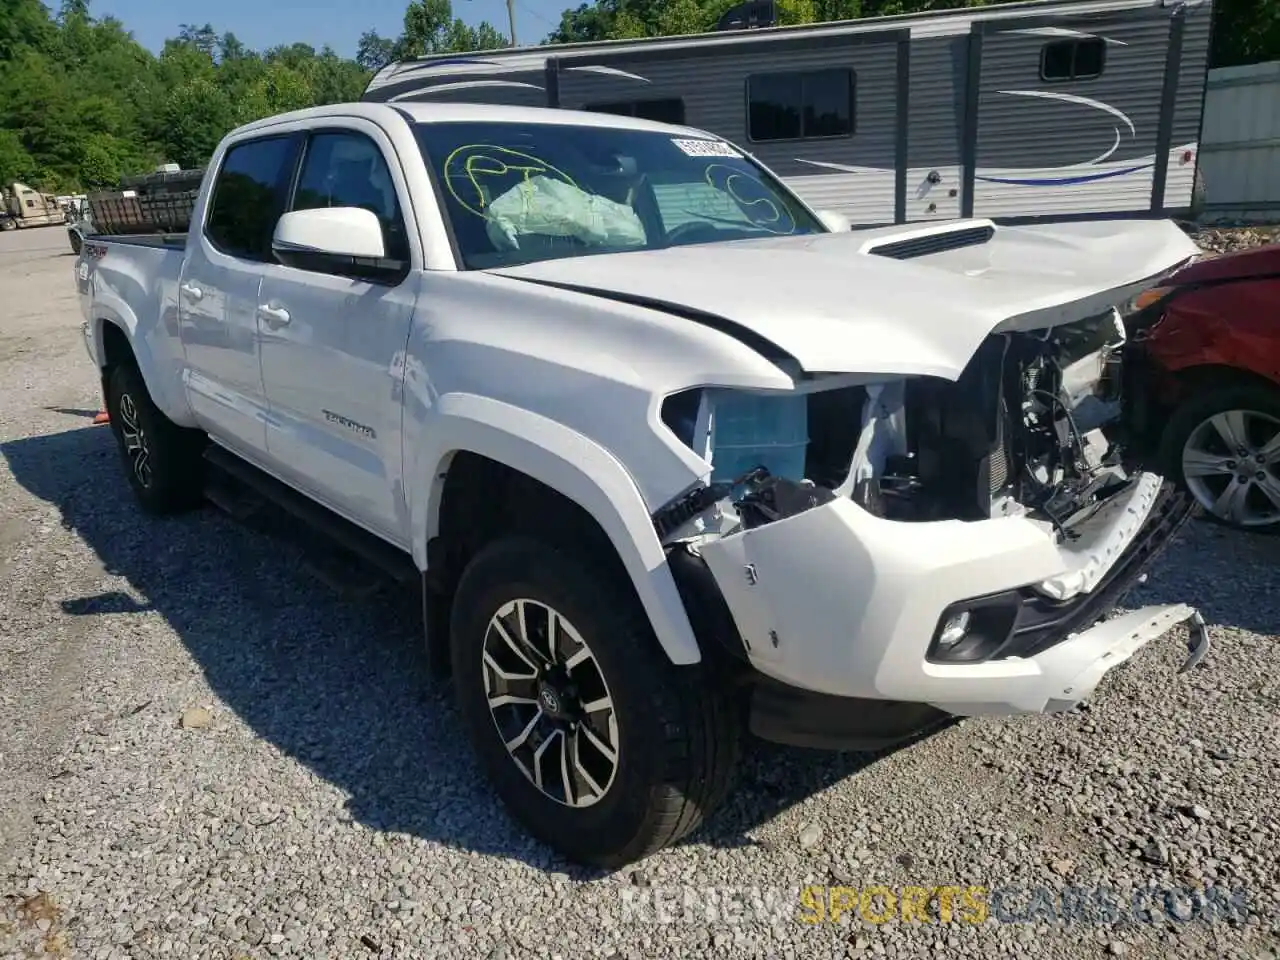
(672, 455)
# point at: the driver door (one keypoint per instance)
(333, 345)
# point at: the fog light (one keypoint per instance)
(973, 630)
(954, 630)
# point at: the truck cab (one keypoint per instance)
(23, 206)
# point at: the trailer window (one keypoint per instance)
(1072, 60)
(249, 195)
(670, 110)
(800, 106)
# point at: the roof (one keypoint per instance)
(470, 112)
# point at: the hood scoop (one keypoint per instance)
(933, 242)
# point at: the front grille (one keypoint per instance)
(934, 243)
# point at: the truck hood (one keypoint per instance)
(890, 301)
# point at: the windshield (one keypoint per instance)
(521, 192)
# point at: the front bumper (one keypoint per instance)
(839, 602)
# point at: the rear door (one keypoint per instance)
(333, 345)
(218, 290)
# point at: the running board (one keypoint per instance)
(346, 534)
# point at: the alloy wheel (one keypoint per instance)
(550, 703)
(135, 441)
(1231, 463)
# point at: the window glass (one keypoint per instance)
(1072, 59)
(796, 106)
(522, 192)
(248, 197)
(347, 169)
(662, 111)
(685, 201)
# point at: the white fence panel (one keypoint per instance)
(1240, 144)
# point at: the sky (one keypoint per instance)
(264, 23)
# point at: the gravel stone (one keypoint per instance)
(336, 779)
(197, 718)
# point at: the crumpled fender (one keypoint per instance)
(568, 462)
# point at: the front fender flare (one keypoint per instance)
(567, 462)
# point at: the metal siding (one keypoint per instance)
(1024, 137)
(713, 87)
(936, 123)
(1240, 149)
(1184, 145)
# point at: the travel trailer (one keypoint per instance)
(1045, 110)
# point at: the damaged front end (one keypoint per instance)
(923, 541)
(1035, 426)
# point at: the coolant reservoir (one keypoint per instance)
(752, 430)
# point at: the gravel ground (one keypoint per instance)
(206, 752)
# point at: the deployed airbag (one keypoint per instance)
(542, 206)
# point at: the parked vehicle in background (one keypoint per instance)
(22, 206)
(669, 452)
(1040, 110)
(1212, 333)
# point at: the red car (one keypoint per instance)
(1211, 333)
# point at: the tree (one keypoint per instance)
(1245, 31)
(15, 162)
(430, 27)
(374, 52)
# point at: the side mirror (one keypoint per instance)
(342, 240)
(835, 222)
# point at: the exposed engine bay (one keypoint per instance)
(1034, 426)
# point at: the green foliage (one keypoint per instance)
(1245, 31)
(82, 103)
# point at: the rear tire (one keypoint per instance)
(674, 734)
(163, 462)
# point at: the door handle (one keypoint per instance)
(275, 316)
(191, 291)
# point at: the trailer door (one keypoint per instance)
(1067, 113)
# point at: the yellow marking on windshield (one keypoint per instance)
(487, 161)
(775, 219)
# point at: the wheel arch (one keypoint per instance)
(1210, 376)
(470, 441)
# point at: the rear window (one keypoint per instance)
(522, 192)
(248, 197)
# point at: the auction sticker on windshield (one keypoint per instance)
(706, 148)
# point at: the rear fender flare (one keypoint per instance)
(569, 463)
(164, 380)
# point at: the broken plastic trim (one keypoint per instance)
(767, 498)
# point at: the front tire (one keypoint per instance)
(1223, 446)
(597, 744)
(163, 461)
